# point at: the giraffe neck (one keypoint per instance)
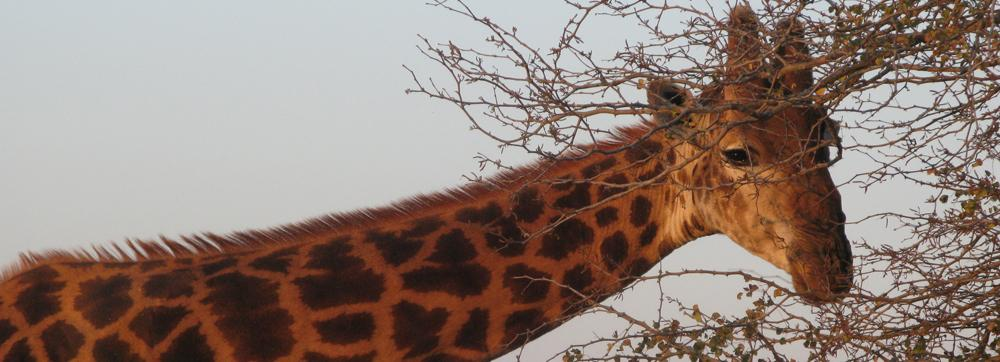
(460, 280)
(480, 278)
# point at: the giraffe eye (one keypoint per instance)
(737, 157)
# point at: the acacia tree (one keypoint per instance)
(913, 85)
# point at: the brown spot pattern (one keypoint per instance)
(606, 216)
(111, 348)
(423, 227)
(102, 301)
(277, 261)
(444, 357)
(189, 346)
(577, 198)
(217, 266)
(606, 191)
(170, 285)
(472, 335)
(614, 250)
(153, 324)
(317, 357)
(520, 324)
(578, 280)
(346, 328)
(250, 317)
(62, 341)
(39, 299)
(346, 279)
(452, 247)
(38, 274)
(394, 249)
(641, 208)
(648, 234)
(416, 328)
(485, 215)
(598, 167)
(19, 352)
(562, 184)
(651, 174)
(643, 150)
(524, 285)
(639, 267)
(506, 238)
(457, 279)
(6, 330)
(528, 205)
(565, 238)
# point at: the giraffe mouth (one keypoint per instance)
(825, 275)
(822, 292)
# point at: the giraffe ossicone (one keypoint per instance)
(467, 274)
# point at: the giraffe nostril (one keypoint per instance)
(839, 217)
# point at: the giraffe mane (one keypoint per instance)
(209, 244)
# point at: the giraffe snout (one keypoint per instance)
(822, 270)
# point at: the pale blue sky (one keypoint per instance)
(133, 119)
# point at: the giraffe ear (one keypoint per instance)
(743, 46)
(792, 55)
(668, 102)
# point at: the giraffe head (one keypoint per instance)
(759, 174)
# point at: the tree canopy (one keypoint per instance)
(912, 84)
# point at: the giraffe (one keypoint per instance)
(469, 273)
